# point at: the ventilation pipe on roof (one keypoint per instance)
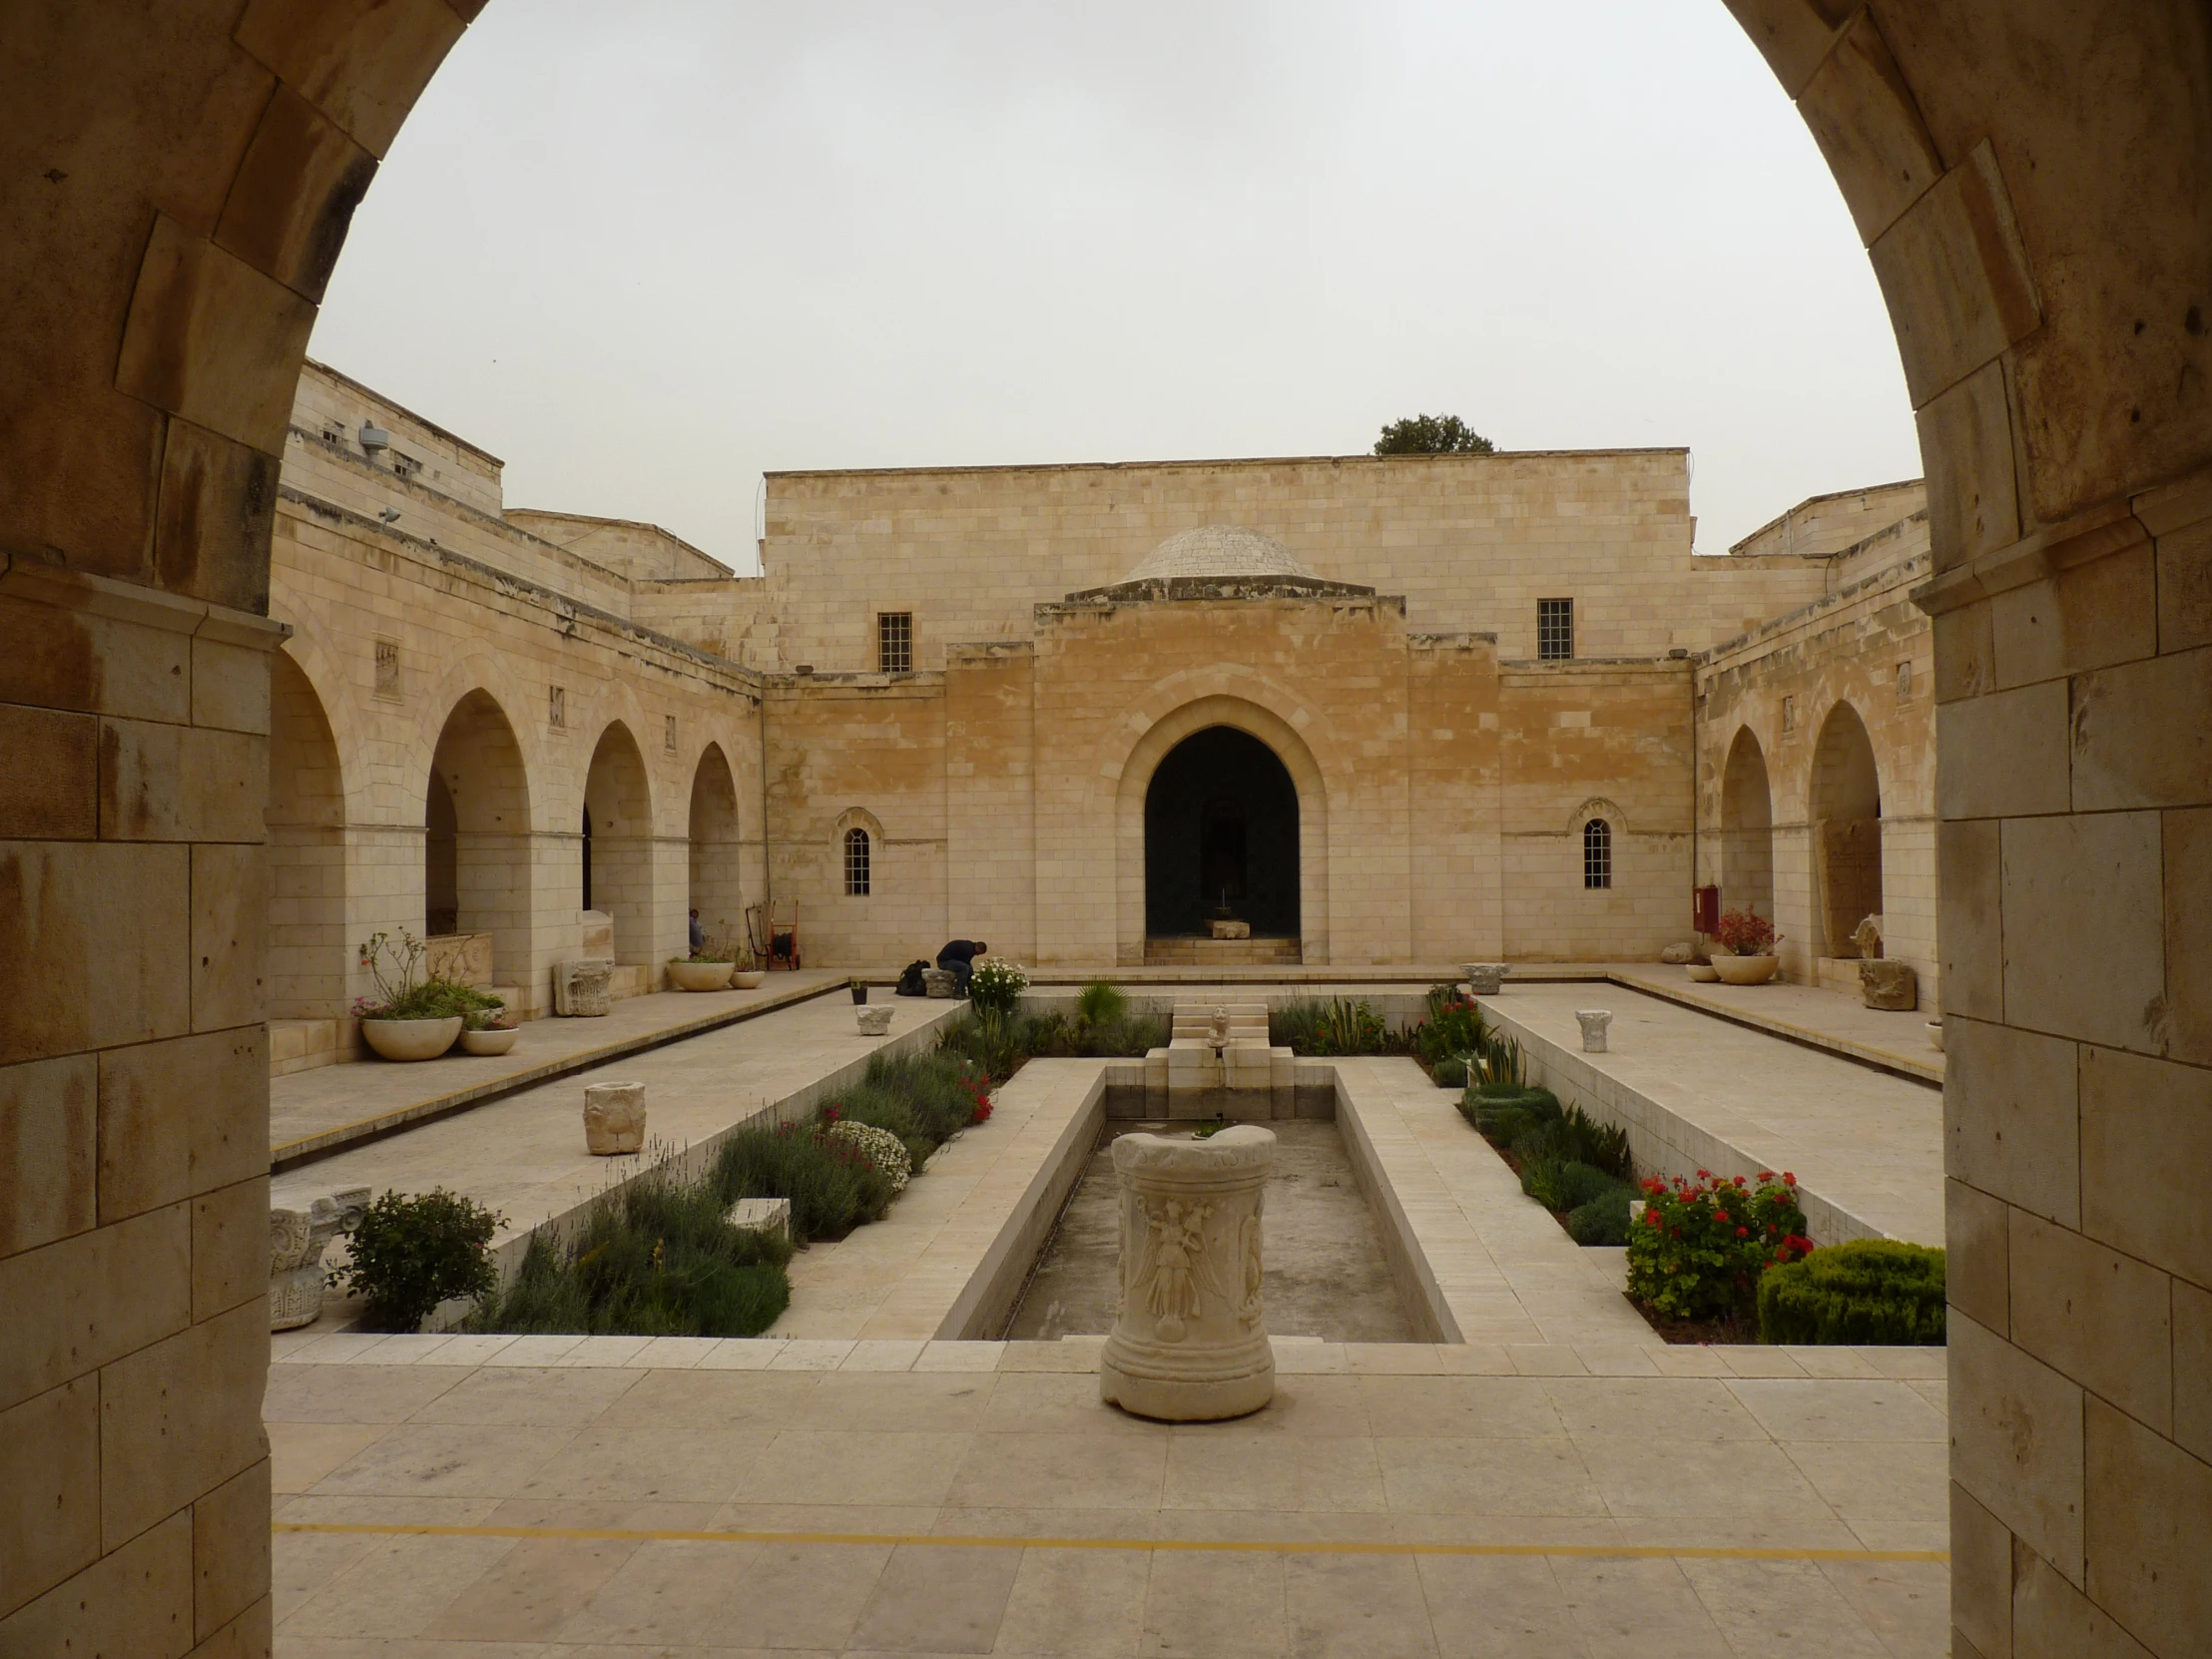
(374, 437)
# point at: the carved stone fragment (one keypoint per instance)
(297, 1240)
(1594, 1022)
(614, 1118)
(1190, 1341)
(580, 986)
(1884, 983)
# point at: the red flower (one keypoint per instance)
(1788, 1176)
(1720, 1216)
(1705, 1175)
(1743, 1231)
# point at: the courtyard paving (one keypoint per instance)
(558, 1498)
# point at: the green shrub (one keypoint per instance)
(1453, 1028)
(1101, 1004)
(411, 1253)
(832, 1188)
(1539, 1104)
(1701, 1246)
(1566, 1183)
(1450, 1072)
(1332, 1028)
(657, 1257)
(1496, 1062)
(1876, 1292)
(1604, 1219)
(1572, 1136)
(995, 986)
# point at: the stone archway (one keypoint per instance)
(2033, 184)
(478, 864)
(1747, 828)
(1843, 821)
(310, 954)
(717, 881)
(1220, 837)
(617, 799)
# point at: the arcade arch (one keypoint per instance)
(716, 883)
(618, 802)
(1747, 828)
(1221, 836)
(1843, 813)
(309, 955)
(477, 852)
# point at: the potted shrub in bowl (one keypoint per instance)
(486, 1032)
(1742, 948)
(749, 972)
(703, 970)
(410, 1019)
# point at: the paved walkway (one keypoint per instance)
(1803, 1013)
(556, 1499)
(332, 1106)
(1699, 1092)
(524, 1155)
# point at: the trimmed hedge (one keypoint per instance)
(1870, 1292)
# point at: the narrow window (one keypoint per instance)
(1597, 854)
(856, 863)
(894, 642)
(1554, 630)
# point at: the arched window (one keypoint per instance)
(856, 863)
(1597, 854)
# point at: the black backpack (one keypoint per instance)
(911, 982)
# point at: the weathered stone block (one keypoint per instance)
(50, 790)
(2098, 1316)
(2193, 1368)
(874, 1021)
(49, 1488)
(181, 1118)
(1891, 985)
(49, 1136)
(181, 784)
(179, 1418)
(614, 1118)
(1970, 916)
(1977, 1255)
(1594, 1022)
(1980, 1574)
(135, 1600)
(82, 1301)
(2016, 1437)
(581, 987)
(941, 984)
(597, 934)
(99, 959)
(2012, 1118)
(2084, 914)
(2149, 1509)
(230, 1245)
(2187, 839)
(2005, 754)
(229, 1549)
(230, 935)
(1230, 929)
(2146, 1140)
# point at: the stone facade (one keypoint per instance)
(1800, 716)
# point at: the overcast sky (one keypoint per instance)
(645, 253)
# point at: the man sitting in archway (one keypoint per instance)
(959, 959)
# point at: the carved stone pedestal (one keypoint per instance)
(1189, 1344)
(1484, 978)
(614, 1118)
(1594, 1022)
(297, 1239)
(1887, 985)
(580, 986)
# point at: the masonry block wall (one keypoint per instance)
(1866, 646)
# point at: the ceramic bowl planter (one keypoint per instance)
(1936, 1035)
(491, 1040)
(749, 979)
(1744, 971)
(700, 976)
(410, 1039)
(1701, 973)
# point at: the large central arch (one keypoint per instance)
(1289, 750)
(1220, 837)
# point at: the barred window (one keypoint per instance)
(1597, 854)
(856, 863)
(1554, 630)
(894, 642)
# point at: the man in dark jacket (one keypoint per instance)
(959, 959)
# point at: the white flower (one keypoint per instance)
(884, 1150)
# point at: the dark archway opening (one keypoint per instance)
(1220, 831)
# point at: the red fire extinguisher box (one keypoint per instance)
(1705, 910)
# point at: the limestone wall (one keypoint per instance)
(1470, 541)
(1869, 648)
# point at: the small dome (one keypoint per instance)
(1219, 550)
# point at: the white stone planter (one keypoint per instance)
(1594, 1022)
(410, 1039)
(1701, 973)
(874, 1021)
(749, 979)
(1744, 971)
(614, 1118)
(490, 1042)
(1936, 1035)
(700, 976)
(1190, 1343)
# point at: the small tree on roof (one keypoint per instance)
(1433, 435)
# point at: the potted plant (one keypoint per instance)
(1742, 948)
(749, 972)
(484, 1032)
(704, 970)
(410, 1019)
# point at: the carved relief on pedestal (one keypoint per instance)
(1190, 1341)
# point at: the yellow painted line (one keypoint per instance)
(1245, 1546)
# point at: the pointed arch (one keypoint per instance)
(1747, 827)
(618, 797)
